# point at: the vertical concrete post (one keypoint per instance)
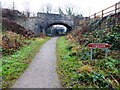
(91, 51)
(43, 31)
(106, 52)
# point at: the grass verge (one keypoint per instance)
(14, 65)
(66, 65)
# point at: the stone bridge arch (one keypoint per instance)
(69, 28)
(44, 20)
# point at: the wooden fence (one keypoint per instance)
(110, 10)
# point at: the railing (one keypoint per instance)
(110, 10)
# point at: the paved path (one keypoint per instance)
(41, 73)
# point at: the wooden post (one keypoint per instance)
(116, 12)
(95, 15)
(116, 7)
(89, 17)
(102, 13)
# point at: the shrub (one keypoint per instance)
(11, 42)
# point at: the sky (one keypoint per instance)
(85, 7)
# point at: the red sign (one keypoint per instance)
(98, 45)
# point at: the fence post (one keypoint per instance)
(116, 7)
(89, 17)
(95, 15)
(102, 13)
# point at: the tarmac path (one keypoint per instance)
(41, 73)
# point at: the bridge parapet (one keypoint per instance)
(55, 16)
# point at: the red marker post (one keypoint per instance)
(98, 45)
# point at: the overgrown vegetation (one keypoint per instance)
(18, 47)
(76, 71)
(11, 14)
(14, 65)
(11, 42)
(74, 65)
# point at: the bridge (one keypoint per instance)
(45, 20)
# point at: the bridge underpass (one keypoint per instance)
(57, 29)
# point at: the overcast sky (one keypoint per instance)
(86, 7)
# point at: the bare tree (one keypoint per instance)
(70, 10)
(48, 8)
(42, 8)
(60, 11)
(33, 14)
(26, 6)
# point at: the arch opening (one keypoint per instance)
(57, 29)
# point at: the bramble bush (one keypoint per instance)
(12, 42)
